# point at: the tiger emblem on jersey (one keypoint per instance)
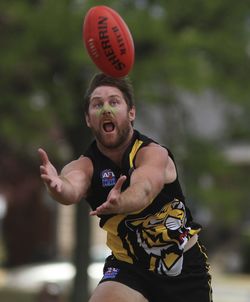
(162, 237)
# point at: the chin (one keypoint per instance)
(113, 139)
(112, 144)
(106, 139)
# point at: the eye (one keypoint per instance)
(113, 102)
(97, 105)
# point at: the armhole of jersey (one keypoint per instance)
(140, 141)
(90, 157)
(172, 157)
(137, 144)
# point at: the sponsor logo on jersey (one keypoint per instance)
(108, 178)
(110, 273)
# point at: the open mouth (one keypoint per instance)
(108, 126)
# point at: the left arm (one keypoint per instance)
(146, 182)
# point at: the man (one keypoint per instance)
(131, 183)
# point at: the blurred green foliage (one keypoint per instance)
(45, 69)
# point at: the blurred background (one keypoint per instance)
(191, 81)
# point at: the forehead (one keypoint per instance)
(106, 91)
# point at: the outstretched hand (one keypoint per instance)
(113, 203)
(49, 174)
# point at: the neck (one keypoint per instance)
(116, 154)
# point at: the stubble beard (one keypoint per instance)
(121, 136)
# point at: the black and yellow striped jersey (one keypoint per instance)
(154, 237)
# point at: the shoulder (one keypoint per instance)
(85, 163)
(152, 152)
(82, 164)
(157, 157)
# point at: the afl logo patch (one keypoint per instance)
(108, 178)
(111, 273)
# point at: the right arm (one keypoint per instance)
(71, 184)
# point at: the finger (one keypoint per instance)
(97, 211)
(46, 178)
(120, 182)
(43, 170)
(103, 209)
(43, 156)
(53, 185)
(57, 188)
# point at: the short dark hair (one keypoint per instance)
(101, 79)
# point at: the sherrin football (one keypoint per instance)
(108, 41)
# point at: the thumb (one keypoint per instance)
(120, 182)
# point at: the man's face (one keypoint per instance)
(108, 116)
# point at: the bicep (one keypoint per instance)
(151, 165)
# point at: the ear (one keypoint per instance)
(131, 114)
(87, 120)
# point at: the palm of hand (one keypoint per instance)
(49, 173)
(54, 182)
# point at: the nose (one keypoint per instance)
(106, 109)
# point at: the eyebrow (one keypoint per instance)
(97, 98)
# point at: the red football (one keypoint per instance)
(108, 41)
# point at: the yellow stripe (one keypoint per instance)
(152, 263)
(170, 260)
(112, 223)
(133, 152)
(208, 268)
(114, 242)
(192, 232)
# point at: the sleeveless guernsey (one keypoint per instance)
(154, 237)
